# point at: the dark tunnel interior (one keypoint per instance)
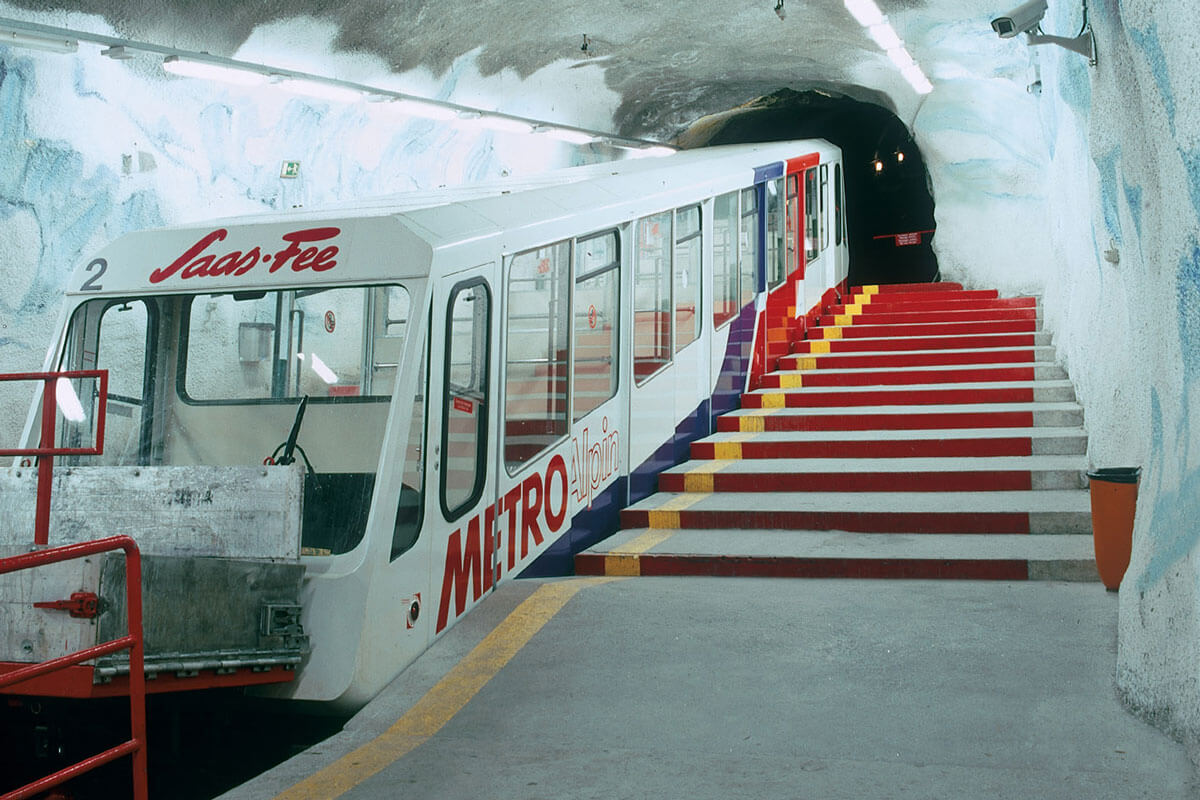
(887, 184)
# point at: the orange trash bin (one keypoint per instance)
(1114, 493)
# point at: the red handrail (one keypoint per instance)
(136, 745)
(46, 451)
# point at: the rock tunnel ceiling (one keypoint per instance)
(668, 63)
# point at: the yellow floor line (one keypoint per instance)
(773, 400)
(443, 701)
(819, 347)
(752, 421)
(831, 333)
(700, 477)
(731, 448)
(667, 515)
(806, 362)
(626, 562)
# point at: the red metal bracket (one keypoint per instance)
(81, 605)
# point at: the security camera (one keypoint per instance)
(1022, 19)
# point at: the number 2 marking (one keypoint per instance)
(90, 284)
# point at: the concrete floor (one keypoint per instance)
(761, 688)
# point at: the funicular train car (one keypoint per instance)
(332, 433)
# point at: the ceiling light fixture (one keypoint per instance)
(885, 36)
(117, 53)
(568, 135)
(188, 67)
(901, 58)
(210, 67)
(320, 90)
(421, 108)
(865, 12)
(916, 79)
(505, 124)
(52, 44)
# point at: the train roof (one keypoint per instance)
(415, 234)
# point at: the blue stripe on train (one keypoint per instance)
(603, 517)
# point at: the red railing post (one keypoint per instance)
(132, 641)
(137, 667)
(45, 464)
(46, 451)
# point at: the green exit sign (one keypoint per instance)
(290, 169)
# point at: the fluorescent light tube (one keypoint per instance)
(885, 36)
(916, 79)
(208, 70)
(423, 108)
(48, 43)
(567, 135)
(504, 124)
(901, 58)
(865, 12)
(654, 151)
(321, 90)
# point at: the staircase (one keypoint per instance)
(920, 431)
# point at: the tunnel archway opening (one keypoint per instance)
(887, 184)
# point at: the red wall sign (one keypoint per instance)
(906, 239)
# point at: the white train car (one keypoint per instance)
(491, 374)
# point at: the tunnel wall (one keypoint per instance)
(1141, 335)
(1089, 195)
(94, 148)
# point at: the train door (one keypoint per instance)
(462, 432)
(819, 232)
(841, 253)
(597, 415)
(793, 239)
(768, 262)
(799, 206)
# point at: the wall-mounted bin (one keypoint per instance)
(1114, 493)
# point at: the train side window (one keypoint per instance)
(465, 397)
(535, 369)
(812, 216)
(775, 234)
(725, 258)
(597, 304)
(748, 245)
(411, 507)
(329, 343)
(652, 295)
(118, 336)
(687, 276)
(837, 204)
(824, 215)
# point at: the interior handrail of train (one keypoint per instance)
(333, 432)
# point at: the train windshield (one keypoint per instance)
(219, 380)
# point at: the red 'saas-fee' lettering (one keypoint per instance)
(195, 262)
